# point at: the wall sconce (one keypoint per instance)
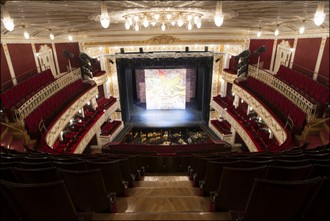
(70, 38)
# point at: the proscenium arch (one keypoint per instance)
(203, 66)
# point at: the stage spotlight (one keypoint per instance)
(111, 61)
(206, 49)
(217, 60)
(187, 49)
(122, 50)
(141, 50)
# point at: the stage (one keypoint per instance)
(141, 117)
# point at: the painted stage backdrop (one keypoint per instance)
(165, 88)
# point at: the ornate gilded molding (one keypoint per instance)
(162, 39)
(275, 126)
(70, 112)
(100, 80)
(96, 127)
(304, 104)
(45, 93)
(165, 39)
(224, 137)
(237, 127)
(229, 77)
(106, 139)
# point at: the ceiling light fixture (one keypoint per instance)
(259, 33)
(319, 15)
(302, 28)
(277, 32)
(26, 35)
(104, 17)
(163, 19)
(7, 21)
(51, 36)
(218, 17)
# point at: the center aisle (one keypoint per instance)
(163, 197)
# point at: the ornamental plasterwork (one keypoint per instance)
(109, 138)
(64, 119)
(233, 49)
(89, 135)
(99, 80)
(162, 39)
(241, 131)
(224, 137)
(291, 94)
(237, 127)
(95, 128)
(278, 131)
(228, 76)
(165, 39)
(46, 93)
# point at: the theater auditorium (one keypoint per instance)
(164, 110)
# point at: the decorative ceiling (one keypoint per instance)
(242, 19)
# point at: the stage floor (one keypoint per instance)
(141, 117)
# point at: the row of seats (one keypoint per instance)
(259, 137)
(76, 131)
(223, 127)
(280, 105)
(105, 103)
(50, 108)
(285, 200)
(109, 127)
(205, 169)
(224, 102)
(313, 90)
(18, 94)
(236, 192)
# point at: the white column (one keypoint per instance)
(35, 53)
(273, 56)
(223, 89)
(98, 139)
(236, 101)
(319, 58)
(94, 103)
(10, 64)
(56, 60)
(232, 140)
(293, 51)
(103, 62)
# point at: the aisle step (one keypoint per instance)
(163, 216)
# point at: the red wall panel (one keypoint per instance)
(5, 74)
(62, 60)
(306, 55)
(266, 56)
(324, 67)
(22, 58)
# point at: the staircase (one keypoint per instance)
(14, 136)
(165, 197)
(316, 133)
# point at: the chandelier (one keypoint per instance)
(163, 19)
(8, 22)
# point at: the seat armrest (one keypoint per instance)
(214, 195)
(236, 215)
